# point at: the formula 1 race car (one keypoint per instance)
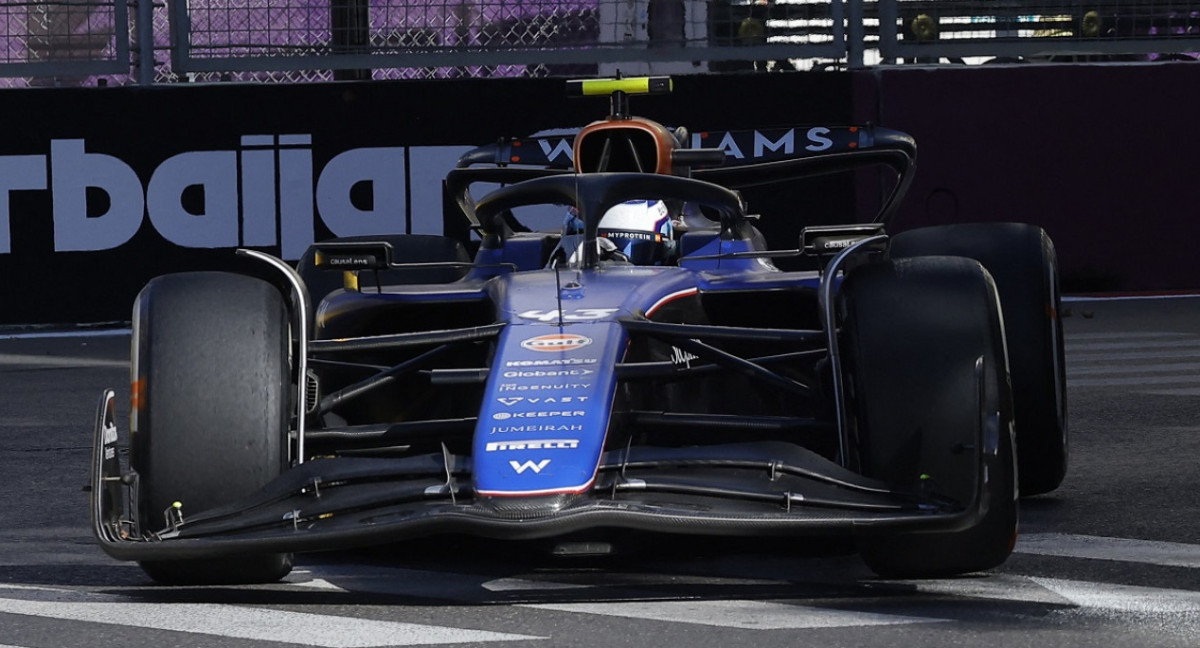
(642, 364)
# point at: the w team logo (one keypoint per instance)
(530, 464)
(556, 342)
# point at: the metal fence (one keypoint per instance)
(74, 42)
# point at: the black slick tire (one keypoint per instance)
(211, 408)
(916, 334)
(1022, 261)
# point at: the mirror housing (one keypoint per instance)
(828, 240)
(350, 256)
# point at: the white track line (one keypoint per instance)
(80, 333)
(57, 362)
(1114, 370)
(744, 615)
(1079, 359)
(1130, 335)
(1106, 597)
(1123, 598)
(736, 613)
(1133, 381)
(1137, 345)
(1149, 552)
(1103, 298)
(254, 623)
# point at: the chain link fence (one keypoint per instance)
(91, 42)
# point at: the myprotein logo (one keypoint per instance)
(262, 194)
(556, 342)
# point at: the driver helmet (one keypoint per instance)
(642, 230)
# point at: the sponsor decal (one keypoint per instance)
(641, 236)
(759, 144)
(529, 465)
(110, 441)
(556, 342)
(551, 362)
(558, 387)
(577, 315)
(513, 400)
(561, 148)
(533, 444)
(548, 374)
(504, 416)
(506, 429)
(681, 358)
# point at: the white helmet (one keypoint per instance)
(641, 230)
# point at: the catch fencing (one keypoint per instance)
(97, 42)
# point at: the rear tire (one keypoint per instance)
(212, 400)
(1022, 261)
(913, 331)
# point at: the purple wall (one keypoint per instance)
(1101, 156)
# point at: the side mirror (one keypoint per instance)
(349, 256)
(828, 240)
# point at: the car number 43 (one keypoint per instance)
(577, 315)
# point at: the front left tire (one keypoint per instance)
(211, 406)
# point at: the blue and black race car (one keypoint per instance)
(640, 363)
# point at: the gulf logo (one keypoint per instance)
(556, 342)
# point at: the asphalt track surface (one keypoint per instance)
(1112, 558)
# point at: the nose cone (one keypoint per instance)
(545, 414)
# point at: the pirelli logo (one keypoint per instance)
(533, 444)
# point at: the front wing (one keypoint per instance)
(750, 489)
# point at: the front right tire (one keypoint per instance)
(1022, 261)
(927, 375)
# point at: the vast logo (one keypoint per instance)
(513, 400)
(262, 194)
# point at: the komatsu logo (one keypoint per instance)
(261, 194)
(551, 362)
